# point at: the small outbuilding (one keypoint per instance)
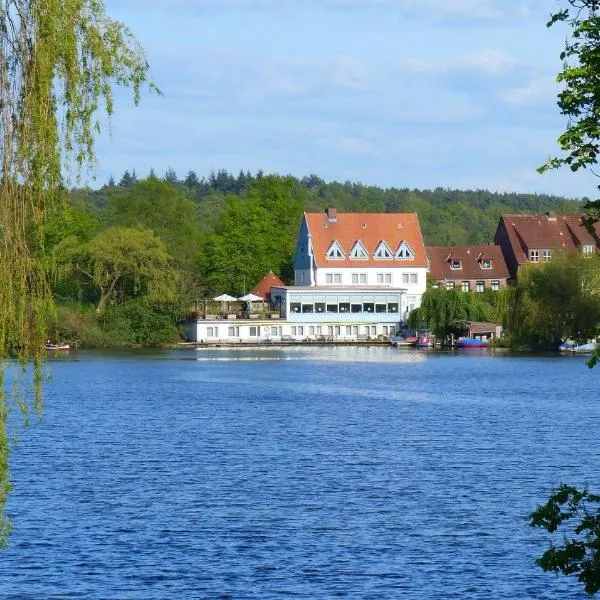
(263, 287)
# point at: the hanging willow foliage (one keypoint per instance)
(59, 61)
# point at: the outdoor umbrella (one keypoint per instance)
(225, 298)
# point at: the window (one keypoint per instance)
(380, 308)
(293, 331)
(348, 330)
(233, 331)
(319, 307)
(373, 330)
(368, 307)
(404, 252)
(331, 308)
(295, 307)
(449, 285)
(413, 278)
(354, 277)
(307, 308)
(404, 277)
(328, 277)
(275, 331)
(384, 278)
(362, 278)
(480, 286)
(355, 329)
(301, 330)
(486, 263)
(335, 251)
(337, 278)
(254, 331)
(455, 264)
(344, 307)
(379, 277)
(547, 255)
(588, 250)
(356, 308)
(338, 330)
(534, 256)
(359, 252)
(383, 252)
(392, 307)
(211, 332)
(495, 285)
(465, 286)
(311, 330)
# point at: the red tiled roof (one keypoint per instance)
(543, 232)
(470, 257)
(370, 229)
(263, 287)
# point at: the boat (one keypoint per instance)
(471, 343)
(404, 342)
(57, 347)
(588, 348)
(567, 346)
(425, 341)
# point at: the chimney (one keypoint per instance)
(331, 215)
(551, 216)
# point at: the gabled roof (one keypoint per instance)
(263, 287)
(471, 258)
(545, 232)
(370, 229)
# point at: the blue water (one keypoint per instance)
(297, 473)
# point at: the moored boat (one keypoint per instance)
(471, 343)
(404, 342)
(588, 348)
(58, 347)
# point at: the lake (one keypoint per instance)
(297, 473)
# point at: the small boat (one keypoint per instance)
(57, 347)
(567, 346)
(588, 348)
(471, 343)
(425, 341)
(404, 342)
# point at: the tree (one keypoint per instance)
(579, 101)
(59, 61)
(579, 512)
(120, 260)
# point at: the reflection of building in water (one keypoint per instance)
(357, 277)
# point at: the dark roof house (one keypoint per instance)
(534, 238)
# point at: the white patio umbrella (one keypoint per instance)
(225, 299)
(251, 298)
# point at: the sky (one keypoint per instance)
(404, 93)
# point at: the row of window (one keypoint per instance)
(534, 256)
(456, 264)
(479, 285)
(301, 330)
(359, 252)
(343, 307)
(362, 279)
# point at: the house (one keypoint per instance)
(356, 274)
(263, 287)
(535, 238)
(467, 268)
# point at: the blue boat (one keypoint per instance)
(471, 343)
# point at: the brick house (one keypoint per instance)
(468, 268)
(536, 238)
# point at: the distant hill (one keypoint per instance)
(447, 217)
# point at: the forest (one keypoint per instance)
(131, 258)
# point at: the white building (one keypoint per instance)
(357, 276)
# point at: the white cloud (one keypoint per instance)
(487, 62)
(541, 90)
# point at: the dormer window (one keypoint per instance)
(383, 252)
(404, 252)
(335, 252)
(486, 263)
(359, 252)
(534, 256)
(588, 250)
(455, 264)
(547, 255)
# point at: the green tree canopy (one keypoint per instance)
(120, 262)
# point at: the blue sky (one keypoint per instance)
(406, 93)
